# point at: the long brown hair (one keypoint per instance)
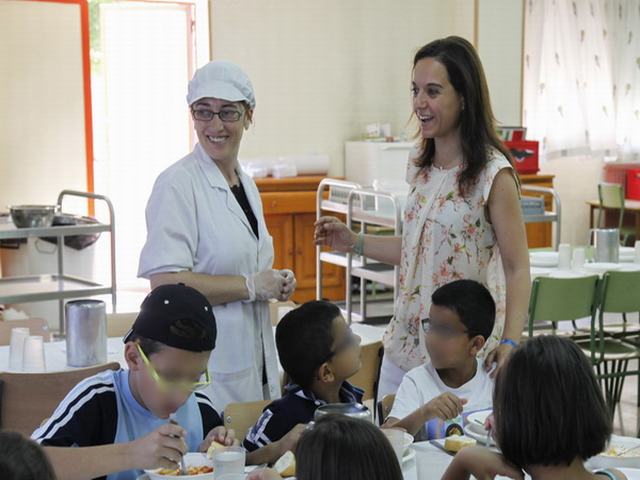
(477, 123)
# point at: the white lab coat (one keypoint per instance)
(195, 223)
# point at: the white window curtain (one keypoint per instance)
(582, 77)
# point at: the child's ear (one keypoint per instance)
(132, 356)
(477, 343)
(325, 373)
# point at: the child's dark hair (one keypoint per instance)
(339, 447)
(304, 338)
(23, 459)
(472, 302)
(548, 406)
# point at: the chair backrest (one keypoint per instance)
(30, 398)
(611, 195)
(384, 407)
(620, 292)
(118, 324)
(242, 416)
(367, 377)
(558, 299)
(36, 326)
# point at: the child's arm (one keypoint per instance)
(482, 464)
(264, 474)
(445, 406)
(162, 448)
(219, 435)
(272, 452)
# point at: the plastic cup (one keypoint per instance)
(33, 354)
(228, 461)
(16, 347)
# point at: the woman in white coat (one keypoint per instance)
(205, 228)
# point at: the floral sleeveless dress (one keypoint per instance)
(445, 237)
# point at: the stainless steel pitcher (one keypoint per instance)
(86, 327)
(606, 243)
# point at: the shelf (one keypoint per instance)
(544, 218)
(36, 288)
(376, 272)
(9, 231)
(359, 215)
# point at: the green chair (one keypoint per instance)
(611, 196)
(555, 300)
(610, 347)
(621, 295)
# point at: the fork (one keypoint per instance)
(183, 466)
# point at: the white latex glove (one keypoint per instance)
(265, 285)
(289, 285)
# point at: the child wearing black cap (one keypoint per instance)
(121, 420)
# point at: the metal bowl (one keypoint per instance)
(32, 216)
(354, 410)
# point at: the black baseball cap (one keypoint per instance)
(178, 316)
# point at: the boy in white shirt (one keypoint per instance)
(434, 398)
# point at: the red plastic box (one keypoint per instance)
(525, 155)
(633, 184)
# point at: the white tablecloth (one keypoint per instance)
(56, 352)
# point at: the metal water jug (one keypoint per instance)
(86, 327)
(606, 244)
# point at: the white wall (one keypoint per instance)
(500, 49)
(322, 70)
(42, 134)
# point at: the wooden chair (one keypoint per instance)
(27, 399)
(367, 377)
(242, 416)
(119, 324)
(385, 406)
(36, 326)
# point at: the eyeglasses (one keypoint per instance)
(443, 331)
(226, 114)
(351, 340)
(172, 385)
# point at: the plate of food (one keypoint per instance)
(474, 427)
(199, 467)
(622, 452)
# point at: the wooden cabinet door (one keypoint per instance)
(281, 229)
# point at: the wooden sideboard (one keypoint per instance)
(290, 212)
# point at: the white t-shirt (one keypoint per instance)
(422, 384)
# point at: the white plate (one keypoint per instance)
(191, 459)
(630, 267)
(565, 274)
(544, 259)
(540, 272)
(609, 461)
(601, 267)
(475, 427)
(409, 455)
(408, 441)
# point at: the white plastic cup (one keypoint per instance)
(579, 258)
(564, 256)
(16, 347)
(636, 253)
(33, 354)
(396, 439)
(228, 461)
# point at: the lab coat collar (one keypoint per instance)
(216, 180)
